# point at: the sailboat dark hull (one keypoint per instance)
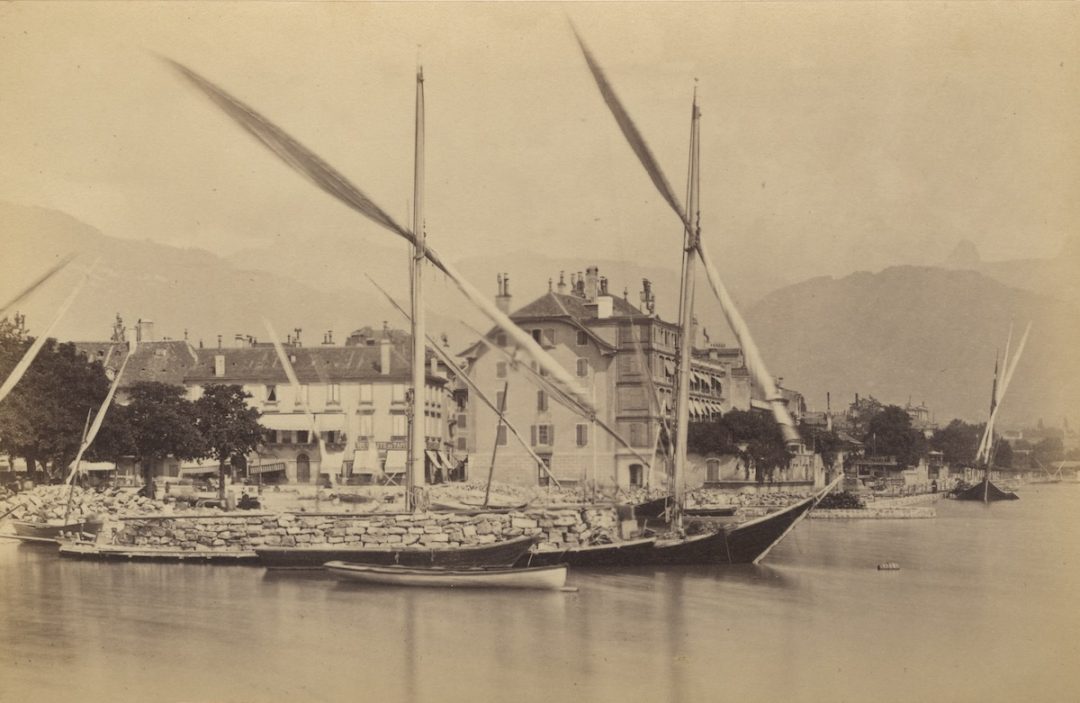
(504, 554)
(629, 553)
(985, 492)
(746, 543)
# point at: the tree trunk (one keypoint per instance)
(221, 479)
(148, 477)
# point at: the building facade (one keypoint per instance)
(623, 357)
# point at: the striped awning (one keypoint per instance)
(196, 468)
(287, 421)
(266, 468)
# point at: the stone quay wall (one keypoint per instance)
(243, 532)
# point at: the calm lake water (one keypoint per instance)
(985, 608)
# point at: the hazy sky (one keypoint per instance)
(835, 136)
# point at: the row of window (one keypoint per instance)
(333, 393)
(582, 366)
(546, 336)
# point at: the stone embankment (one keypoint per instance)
(239, 532)
(50, 503)
(873, 512)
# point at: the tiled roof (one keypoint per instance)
(553, 304)
(324, 364)
(165, 362)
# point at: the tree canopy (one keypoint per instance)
(889, 432)
(229, 427)
(958, 441)
(156, 423)
(43, 417)
(753, 437)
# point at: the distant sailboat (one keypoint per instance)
(985, 491)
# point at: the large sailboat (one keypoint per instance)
(746, 542)
(985, 491)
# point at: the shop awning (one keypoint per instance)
(433, 457)
(286, 421)
(266, 468)
(362, 463)
(396, 460)
(669, 367)
(330, 422)
(97, 466)
(198, 468)
(448, 462)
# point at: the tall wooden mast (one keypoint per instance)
(686, 314)
(417, 438)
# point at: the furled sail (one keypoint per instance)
(735, 321)
(303, 160)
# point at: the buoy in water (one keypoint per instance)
(888, 566)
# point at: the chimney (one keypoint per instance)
(648, 300)
(219, 365)
(592, 282)
(579, 287)
(384, 350)
(297, 330)
(605, 304)
(219, 341)
(503, 298)
(146, 331)
(562, 282)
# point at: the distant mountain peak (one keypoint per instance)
(964, 255)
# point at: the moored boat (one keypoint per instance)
(745, 543)
(78, 550)
(538, 577)
(50, 531)
(628, 553)
(985, 492)
(495, 554)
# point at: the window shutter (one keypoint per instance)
(533, 433)
(551, 435)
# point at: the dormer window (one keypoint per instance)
(271, 393)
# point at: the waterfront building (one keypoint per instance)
(358, 392)
(594, 335)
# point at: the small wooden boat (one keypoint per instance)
(551, 578)
(496, 554)
(629, 553)
(50, 531)
(120, 553)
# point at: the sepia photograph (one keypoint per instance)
(536, 351)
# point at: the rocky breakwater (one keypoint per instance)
(427, 530)
(49, 504)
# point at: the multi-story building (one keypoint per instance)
(359, 393)
(619, 355)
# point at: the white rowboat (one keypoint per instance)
(541, 577)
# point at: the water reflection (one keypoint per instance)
(819, 622)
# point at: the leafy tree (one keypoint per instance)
(890, 433)
(862, 412)
(158, 422)
(1003, 454)
(228, 426)
(754, 437)
(958, 441)
(826, 443)
(43, 417)
(1049, 450)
